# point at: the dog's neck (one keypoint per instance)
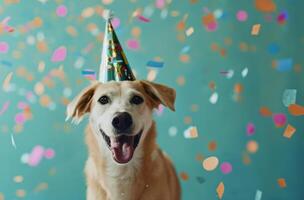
(120, 181)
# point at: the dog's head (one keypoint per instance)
(120, 113)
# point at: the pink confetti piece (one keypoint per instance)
(4, 47)
(61, 11)
(4, 107)
(49, 153)
(36, 156)
(250, 129)
(241, 15)
(5, 26)
(212, 26)
(22, 105)
(160, 4)
(143, 19)
(160, 110)
(279, 119)
(19, 118)
(59, 54)
(226, 168)
(133, 44)
(115, 22)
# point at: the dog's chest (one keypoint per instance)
(120, 182)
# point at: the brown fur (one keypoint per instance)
(154, 179)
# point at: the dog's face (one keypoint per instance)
(120, 113)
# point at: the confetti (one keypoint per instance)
(220, 190)
(200, 179)
(133, 44)
(282, 183)
(61, 11)
(210, 163)
(289, 131)
(191, 132)
(212, 146)
(258, 195)
(209, 21)
(265, 112)
(4, 107)
(226, 168)
(241, 15)
(184, 176)
(289, 97)
(265, 5)
(282, 17)
(13, 141)
(213, 98)
(255, 29)
(252, 146)
(6, 82)
(172, 131)
(155, 64)
(59, 54)
(189, 31)
(250, 129)
(296, 109)
(36, 156)
(245, 72)
(89, 74)
(4, 47)
(279, 119)
(284, 65)
(143, 19)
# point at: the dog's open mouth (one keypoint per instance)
(122, 147)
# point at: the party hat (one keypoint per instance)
(114, 64)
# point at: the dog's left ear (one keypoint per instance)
(81, 104)
(160, 94)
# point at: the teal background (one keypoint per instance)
(224, 122)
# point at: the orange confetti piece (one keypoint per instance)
(282, 183)
(289, 131)
(265, 5)
(212, 146)
(238, 88)
(184, 176)
(207, 19)
(255, 29)
(220, 190)
(265, 112)
(296, 109)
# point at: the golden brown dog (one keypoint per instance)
(124, 161)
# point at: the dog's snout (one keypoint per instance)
(122, 122)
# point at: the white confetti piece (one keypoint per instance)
(244, 72)
(213, 98)
(229, 74)
(13, 141)
(189, 31)
(191, 132)
(172, 131)
(258, 195)
(289, 97)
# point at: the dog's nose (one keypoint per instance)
(122, 122)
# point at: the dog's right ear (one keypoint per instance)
(81, 104)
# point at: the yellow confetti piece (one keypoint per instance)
(7, 81)
(220, 190)
(41, 186)
(289, 131)
(255, 29)
(18, 179)
(252, 146)
(189, 31)
(282, 183)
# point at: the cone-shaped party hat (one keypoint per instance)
(114, 65)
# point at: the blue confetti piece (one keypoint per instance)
(185, 49)
(284, 65)
(88, 72)
(6, 63)
(273, 48)
(155, 64)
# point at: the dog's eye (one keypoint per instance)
(104, 100)
(136, 100)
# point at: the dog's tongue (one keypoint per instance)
(122, 148)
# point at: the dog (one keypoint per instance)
(124, 162)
